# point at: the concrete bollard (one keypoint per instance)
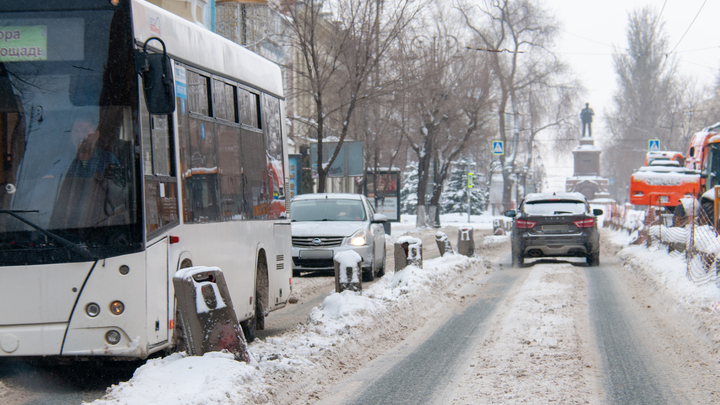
(408, 251)
(498, 227)
(443, 243)
(207, 315)
(466, 242)
(348, 271)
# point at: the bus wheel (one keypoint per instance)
(257, 322)
(254, 324)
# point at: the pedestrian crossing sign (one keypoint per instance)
(654, 145)
(498, 148)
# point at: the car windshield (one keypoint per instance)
(554, 207)
(327, 210)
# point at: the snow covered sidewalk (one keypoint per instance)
(345, 331)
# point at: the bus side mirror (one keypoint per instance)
(158, 82)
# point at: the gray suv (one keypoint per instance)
(555, 225)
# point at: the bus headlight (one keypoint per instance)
(358, 239)
(112, 337)
(117, 307)
(92, 309)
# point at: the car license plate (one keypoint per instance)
(554, 228)
(316, 254)
(664, 199)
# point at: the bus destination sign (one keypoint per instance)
(23, 43)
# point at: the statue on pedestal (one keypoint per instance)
(586, 116)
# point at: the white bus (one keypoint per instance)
(114, 176)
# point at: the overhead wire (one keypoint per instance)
(688, 28)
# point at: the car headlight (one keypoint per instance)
(359, 238)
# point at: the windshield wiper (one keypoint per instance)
(562, 212)
(81, 250)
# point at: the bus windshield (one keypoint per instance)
(68, 98)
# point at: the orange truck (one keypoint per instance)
(663, 184)
(669, 176)
(663, 156)
(704, 155)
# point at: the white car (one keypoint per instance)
(325, 224)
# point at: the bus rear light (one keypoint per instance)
(585, 223)
(124, 270)
(92, 309)
(171, 324)
(174, 239)
(112, 337)
(117, 307)
(525, 224)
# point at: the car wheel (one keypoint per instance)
(517, 259)
(381, 268)
(709, 208)
(593, 259)
(368, 274)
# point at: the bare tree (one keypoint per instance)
(338, 51)
(549, 107)
(447, 106)
(516, 35)
(645, 100)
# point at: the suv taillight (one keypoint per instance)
(585, 223)
(525, 224)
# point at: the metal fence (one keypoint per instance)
(692, 234)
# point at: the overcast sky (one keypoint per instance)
(590, 29)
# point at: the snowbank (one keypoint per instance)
(216, 378)
(667, 273)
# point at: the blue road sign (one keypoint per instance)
(654, 145)
(498, 148)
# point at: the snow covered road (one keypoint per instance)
(475, 331)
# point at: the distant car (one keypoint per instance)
(325, 224)
(555, 225)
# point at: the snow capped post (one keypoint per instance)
(498, 226)
(443, 243)
(408, 251)
(466, 242)
(207, 316)
(348, 271)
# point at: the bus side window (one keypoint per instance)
(161, 203)
(198, 152)
(271, 126)
(256, 194)
(256, 202)
(249, 108)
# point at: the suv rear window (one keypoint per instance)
(554, 207)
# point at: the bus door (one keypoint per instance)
(157, 292)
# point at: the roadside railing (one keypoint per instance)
(692, 233)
